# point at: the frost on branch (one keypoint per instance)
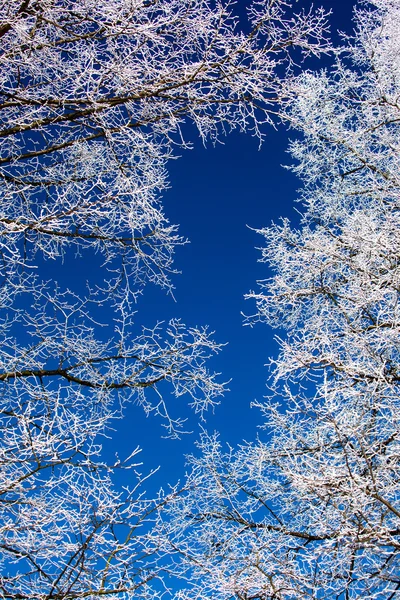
(94, 97)
(64, 526)
(64, 357)
(312, 509)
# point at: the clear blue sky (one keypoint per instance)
(215, 193)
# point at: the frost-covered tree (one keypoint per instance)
(312, 509)
(95, 96)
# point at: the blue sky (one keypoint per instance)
(216, 192)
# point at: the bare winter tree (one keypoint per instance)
(94, 98)
(313, 511)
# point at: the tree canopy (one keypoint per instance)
(311, 509)
(95, 98)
